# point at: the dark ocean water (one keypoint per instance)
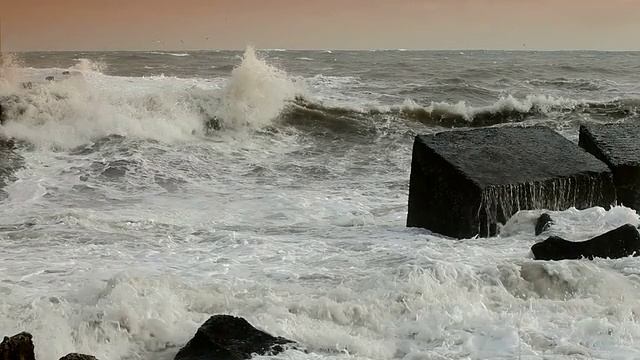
(131, 222)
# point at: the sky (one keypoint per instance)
(320, 24)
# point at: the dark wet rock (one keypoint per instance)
(49, 78)
(66, 73)
(212, 124)
(74, 356)
(17, 347)
(463, 183)
(617, 145)
(543, 223)
(226, 337)
(618, 243)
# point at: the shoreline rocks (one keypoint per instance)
(543, 223)
(221, 337)
(17, 347)
(226, 337)
(618, 243)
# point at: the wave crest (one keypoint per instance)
(255, 94)
(86, 105)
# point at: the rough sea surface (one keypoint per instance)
(131, 223)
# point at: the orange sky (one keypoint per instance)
(320, 24)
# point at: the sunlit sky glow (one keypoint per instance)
(320, 24)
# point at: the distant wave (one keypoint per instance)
(505, 110)
(166, 53)
(78, 109)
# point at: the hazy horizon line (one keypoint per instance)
(326, 49)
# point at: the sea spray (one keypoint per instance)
(78, 109)
(9, 74)
(255, 94)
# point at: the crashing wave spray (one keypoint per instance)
(80, 109)
(255, 94)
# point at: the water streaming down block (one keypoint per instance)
(463, 183)
(618, 146)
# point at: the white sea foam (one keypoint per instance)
(302, 235)
(78, 109)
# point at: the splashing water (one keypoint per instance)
(89, 66)
(9, 75)
(256, 93)
(89, 105)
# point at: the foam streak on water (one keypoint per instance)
(132, 222)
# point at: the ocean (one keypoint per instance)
(131, 222)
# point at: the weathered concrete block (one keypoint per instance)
(618, 145)
(463, 183)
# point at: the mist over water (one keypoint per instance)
(132, 220)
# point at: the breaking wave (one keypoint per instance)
(85, 105)
(505, 110)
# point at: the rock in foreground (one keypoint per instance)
(618, 243)
(17, 347)
(463, 183)
(226, 337)
(618, 146)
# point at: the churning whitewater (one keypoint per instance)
(154, 189)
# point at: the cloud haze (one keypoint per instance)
(321, 24)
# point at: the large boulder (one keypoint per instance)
(226, 337)
(621, 242)
(17, 347)
(617, 145)
(463, 183)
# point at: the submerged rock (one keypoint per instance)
(17, 347)
(543, 223)
(618, 243)
(212, 124)
(463, 183)
(226, 337)
(617, 145)
(74, 356)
